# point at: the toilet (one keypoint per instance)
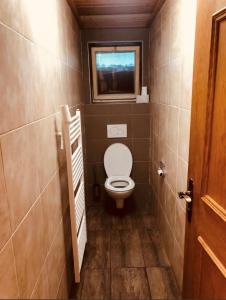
(118, 163)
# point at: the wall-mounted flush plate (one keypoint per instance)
(117, 131)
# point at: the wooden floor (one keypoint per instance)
(124, 259)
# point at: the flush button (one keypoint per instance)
(117, 131)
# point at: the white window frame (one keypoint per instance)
(115, 97)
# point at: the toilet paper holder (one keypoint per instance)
(161, 169)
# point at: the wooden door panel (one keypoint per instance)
(212, 230)
(216, 288)
(205, 248)
(216, 187)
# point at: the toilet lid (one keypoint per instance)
(118, 160)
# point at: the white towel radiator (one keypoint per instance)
(72, 134)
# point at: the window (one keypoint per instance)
(115, 73)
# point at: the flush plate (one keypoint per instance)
(117, 131)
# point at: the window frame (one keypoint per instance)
(115, 97)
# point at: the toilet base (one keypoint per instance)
(119, 197)
(119, 203)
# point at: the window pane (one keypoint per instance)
(115, 72)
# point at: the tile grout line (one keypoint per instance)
(61, 277)
(28, 212)
(23, 36)
(14, 260)
(33, 122)
(48, 252)
(7, 198)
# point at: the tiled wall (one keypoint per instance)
(171, 67)
(136, 116)
(40, 70)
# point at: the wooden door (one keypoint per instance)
(205, 251)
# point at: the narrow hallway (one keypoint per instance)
(124, 258)
(112, 138)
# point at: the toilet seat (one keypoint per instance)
(118, 160)
(119, 183)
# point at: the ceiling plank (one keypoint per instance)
(75, 12)
(113, 21)
(156, 9)
(113, 10)
(115, 13)
(112, 2)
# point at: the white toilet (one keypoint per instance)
(118, 163)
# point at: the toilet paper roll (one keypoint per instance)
(160, 172)
(144, 91)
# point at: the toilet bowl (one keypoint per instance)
(118, 163)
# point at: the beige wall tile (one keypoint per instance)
(175, 82)
(47, 150)
(171, 67)
(8, 278)
(163, 123)
(178, 264)
(163, 192)
(20, 160)
(163, 87)
(52, 207)
(63, 288)
(64, 189)
(155, 149)
(180, 222)
(40, 70)
(41, 290)
(29, 244)
(184, 134)
(170, 207)
(55, 261)
(5, 226)
(168, 238)
(182, 177)
(172, 125)
(15, 108)
(11, 14)
(171, 169)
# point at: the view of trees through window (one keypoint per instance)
(115, 72)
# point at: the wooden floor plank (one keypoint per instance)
(129, 283)
(124, 259)
(117, 249)
(97, 254)
(122, 222)
(162, 283)
(96, 284)
(153, 251)
(145, 221)
(126, 249)
(98, 219)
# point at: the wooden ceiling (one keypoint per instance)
(115, 13)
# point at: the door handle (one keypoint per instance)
(188, 197)
(185, 196)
